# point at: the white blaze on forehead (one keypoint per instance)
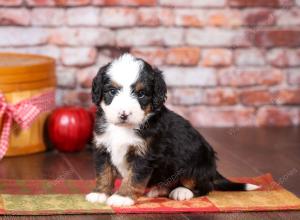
(125, 70)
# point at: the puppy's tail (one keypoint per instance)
(223, 184)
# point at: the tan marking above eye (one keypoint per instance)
(115, 85)
(139, 86)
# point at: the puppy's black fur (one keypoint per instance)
(176, 151)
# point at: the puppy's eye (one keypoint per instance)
(141, 94)
(113, 92)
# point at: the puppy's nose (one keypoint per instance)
(124, 116)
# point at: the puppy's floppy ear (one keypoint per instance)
(97, 85)
(160, 90)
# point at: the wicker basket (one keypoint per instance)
(22, 77)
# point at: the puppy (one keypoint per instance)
(140, 140)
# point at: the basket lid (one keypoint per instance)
(25, 72)
(23, 68)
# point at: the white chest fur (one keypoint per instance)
(117, 140)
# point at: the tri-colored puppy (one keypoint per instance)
(137, 138)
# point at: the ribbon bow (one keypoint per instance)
(23, 113)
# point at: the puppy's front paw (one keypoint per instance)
(181, 193)
(96, 197)
(117, 200)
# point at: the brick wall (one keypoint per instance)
(227, 62)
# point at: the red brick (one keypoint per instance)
(294, 76)
(207, 116)
(84, 98)
(11, 2)
(185, 56)
(83, 56)
(289, 17)
(73, 2)
(186, 96)
(118, 17)
(149, 37)
(125, 2)
(66, 77)
(166, 16)
(189, 17)
(155, 56)
(106, 55)
(276, 38)
(256, 97)
(284, 57)
(48, 16)
(19, 36)
(273, 116)
(254, 17)
(82, 37)
(148, 17)
(193, 3)
(74, 97)
(220, 97)
(216, 57)
(40, 2)
(287, 96)
(257, 3)
(57, 2)
(14, 17)
(216, 37)
(224, 18)
(249, 57)
(245, 117)
(139, 37)
(172, 36)
(85, 76)
(155, 17)
(189, 76)
(83, 16)
(59, 96)
(249, 77)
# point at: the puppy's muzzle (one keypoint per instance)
(124, 116)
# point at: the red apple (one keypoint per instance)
(70, 128)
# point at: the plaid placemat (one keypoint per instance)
(47, 197)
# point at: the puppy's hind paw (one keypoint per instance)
(96, 197)
(181, 193)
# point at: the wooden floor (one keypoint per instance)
(241, 152)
